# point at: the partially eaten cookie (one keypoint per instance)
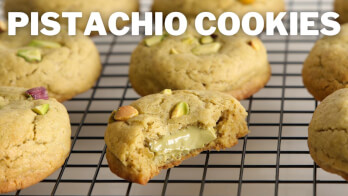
(159, 131)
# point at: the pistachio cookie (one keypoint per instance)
(104, 7)
(237, 64)
(341, 7)
(65, 65)
(326, 68)
(34, 137)
(159, 131)
(328, 136)
(191, 8)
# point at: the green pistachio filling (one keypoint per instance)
(183, 141)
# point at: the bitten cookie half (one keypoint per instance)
(34, 138)
(341, 7)
(326, 68)
(105, 7)
(237, 65)
(160, 131)
(65, 65)
(328, 136)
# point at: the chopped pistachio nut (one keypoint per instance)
(207, 40)
(207, 49)
(173, 51)
(41, 109)
(38, 93)
(151, 41)
(180, 109)
(190, 40)
(254, 44)
(247, 1)
(167, 92)
(30, 54)
(3, 26)
(126, 112)
(44, 44)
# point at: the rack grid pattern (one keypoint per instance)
(272, 160)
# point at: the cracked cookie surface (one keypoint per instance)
(328, 134)
(129, 151)
(237, 67)
(341, 7)
(32, 146)
(105, 7)
(326, 68)
(65, 72)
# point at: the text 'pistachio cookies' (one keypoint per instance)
(341, 7)
(237, 65)
(191, 8)
(328, 136)
(65, 65)
(105, 7)
(34, 137)
(160, 131)
(326, 68)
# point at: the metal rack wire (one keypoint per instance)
(272, 160)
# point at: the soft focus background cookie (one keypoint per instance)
(148, 140)
(326, 68)
(341, 7)
(328, 136)
(65, 65)
(32, 146)
(105, 7)
(191, 8)
(237, 64)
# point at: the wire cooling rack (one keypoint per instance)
(272, 160)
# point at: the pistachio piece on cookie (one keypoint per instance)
(30, 54)
(125, 112)
(180, 109)
(151, 41)
(38, 93)
(44, 44)
(207, 40)
(207, 49)
(41, 109)
(167, 92)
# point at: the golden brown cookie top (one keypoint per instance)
(234, 64)
(29, 136)
(65, 65)
(327, 135)
(326, 68)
